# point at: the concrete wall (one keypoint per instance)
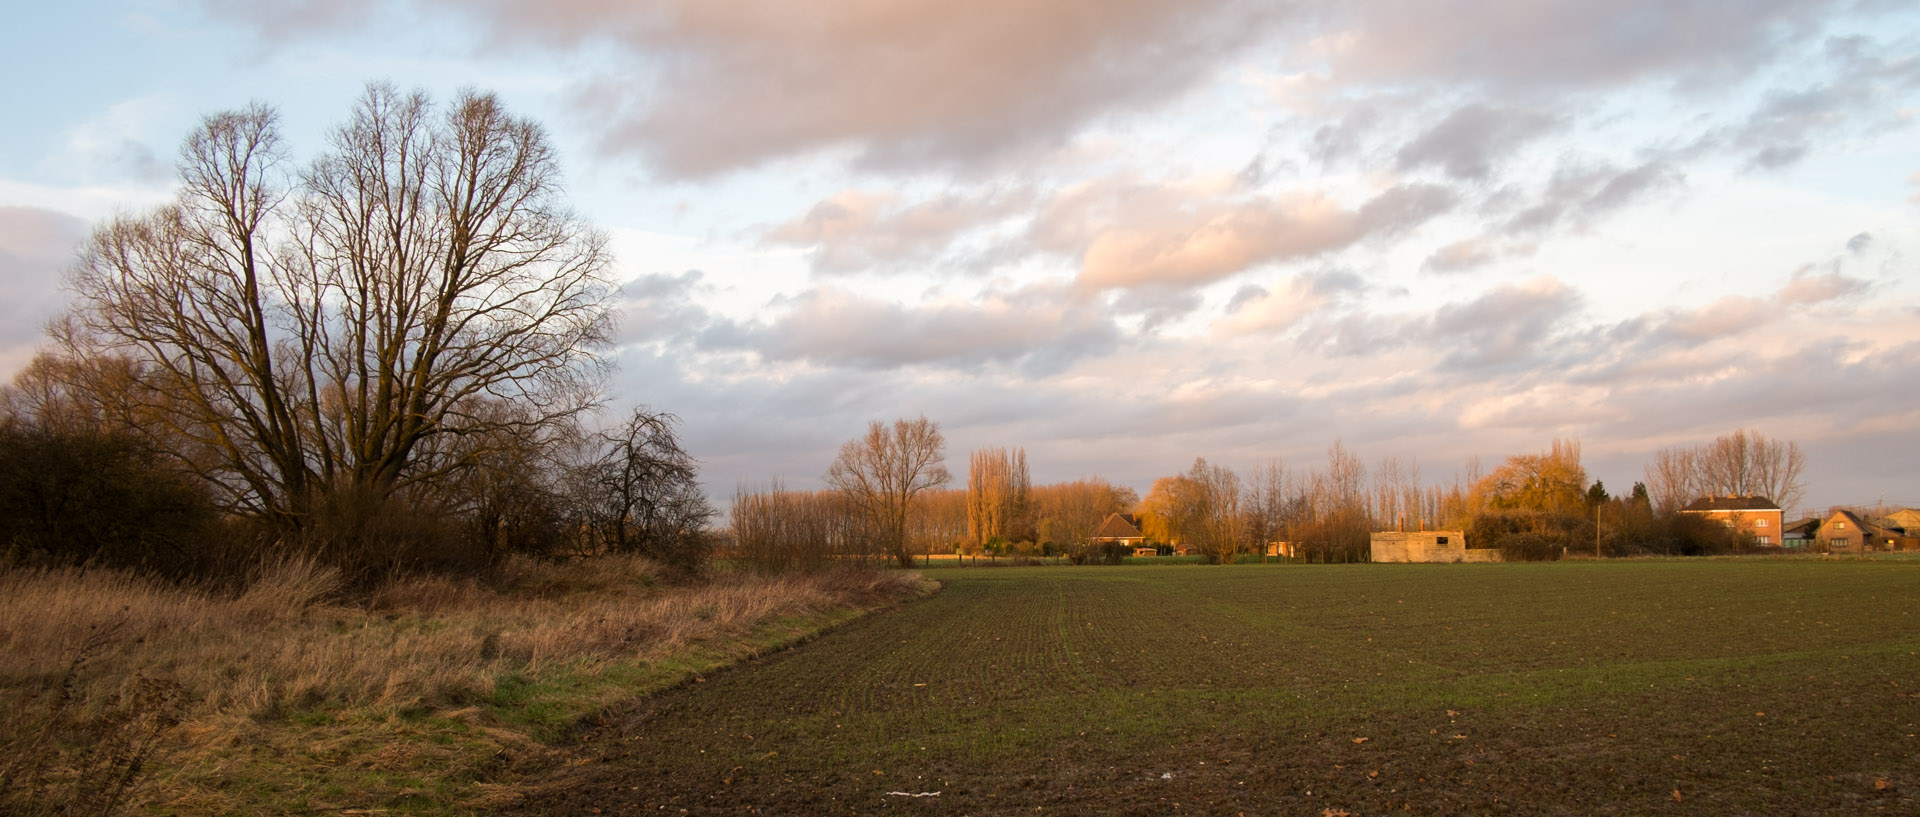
(1428, 546)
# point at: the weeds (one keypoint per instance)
(63, 756)
(268, 692)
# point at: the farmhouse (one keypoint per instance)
(1428, 546)
(1755, 516)
(1845, 532)
(1121, 529)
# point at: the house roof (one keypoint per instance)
(1906, 519)
(1869, 528)
(1119, 526)
(1806, 525)
(1731, 503)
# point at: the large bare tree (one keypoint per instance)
(881, 473)
(344, 324)
(1743, 463)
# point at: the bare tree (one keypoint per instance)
(341, 325)
(777, 529)
(642, 492)
(1217, 526)
(1673, 479)
(1275, 501)
(882, 473)
(1747, 463)
(1743, 463)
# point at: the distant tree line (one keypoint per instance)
(1532, 506)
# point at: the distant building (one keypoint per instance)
(1800, 534)
(1907, 520)
(1755, 516)
(1428, 546)
(1121, 529)
(1845, 532)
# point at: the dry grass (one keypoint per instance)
(288, 668)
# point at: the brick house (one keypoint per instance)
(1755, 516)
(1846, 532)
(1121, 529)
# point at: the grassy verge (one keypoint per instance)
(420, 699)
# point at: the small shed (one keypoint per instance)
(1428, 546)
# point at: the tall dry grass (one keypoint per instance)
(290, 643)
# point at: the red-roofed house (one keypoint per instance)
(1754, 516)
(1121, 529)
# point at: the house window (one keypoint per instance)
(1439, 540)
(1759, 523)
(1839, 526)
(1763, 540)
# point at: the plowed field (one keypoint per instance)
(1705, 687)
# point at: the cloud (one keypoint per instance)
(663, 308)
(1471, 140)
(36, 247)
(1578, 195)
(1734, 315)
(1859, 90)
(1181, 237)
(1473, 253)
(1288, 303)
(1038, 326)
(113, 146)
(855, 231)
(940, 83)
(1531, 48)
(1506, 326)
(1806, 288)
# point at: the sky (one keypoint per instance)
(1124, 234)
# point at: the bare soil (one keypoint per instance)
(1773, 687)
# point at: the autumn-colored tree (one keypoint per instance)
(1067, 513)
(939, 524)
(881, 474)
(1167, 509)
(1552, 482)
(1534, 505)
(1200, 508)
(999, 496)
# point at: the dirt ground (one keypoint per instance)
(1295, 692)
